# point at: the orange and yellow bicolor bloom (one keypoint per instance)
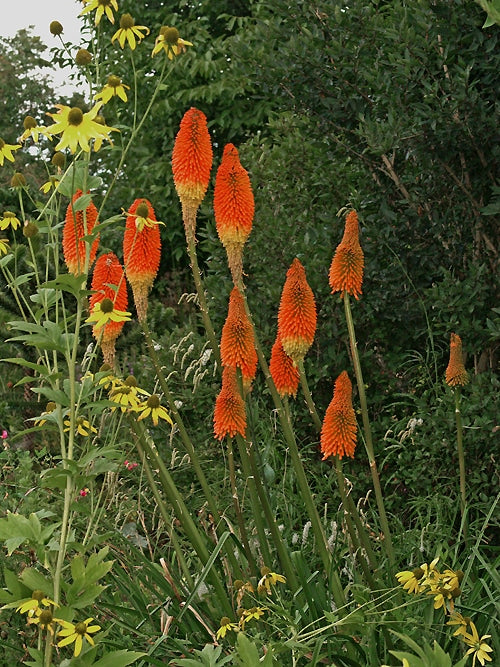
(297, 313)
(237, 347)
(229, 414)
(456, 375)
(78, 225)
(109, 272)
(141, 252)
(346, 270)
(191, 165)
(234, 208)
(284, 372)
(338, 433)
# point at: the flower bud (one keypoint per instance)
(58, 160)
(18, 180)
(55, 28)
(30, 230)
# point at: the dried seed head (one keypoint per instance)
(55, 28)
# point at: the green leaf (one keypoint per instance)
(67, 282)
(119, 658)
(35, 580)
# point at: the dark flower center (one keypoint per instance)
(170, 35)
(107, 306)
(81, 628)
(142, 210)
(38, 595)
(75, 116)
(126, 22)
(114, 81)
(46, 617)
(29, 122)
(153, 402)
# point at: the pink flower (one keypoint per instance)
(5, 435)
(130, 465)
(84, 492)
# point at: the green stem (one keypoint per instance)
(247, 449)
(181, 511)
(368, 433)
(237, 508)
(461, 457)
(207, 322)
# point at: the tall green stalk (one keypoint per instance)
(461, 457)
(368, 433)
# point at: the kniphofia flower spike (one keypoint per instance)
(237, 347)
(141, 252)
(284, 372)
(233, 208)
(191, 165)
(338, 433)
(456, 375)
(297, 313)
(229, 415)
(79, 224)
(346, 270)
(109, 285)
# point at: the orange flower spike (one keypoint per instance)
(456, 375)
(229, 415)
(77, 226)
(346, 270)
(338, 433)
(237, 347)
(191, 165)
(233, 208)
(284, 372)
(141, 252)
(108, 271)
(297, 313)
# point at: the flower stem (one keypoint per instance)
(461, 457)
(368, 433)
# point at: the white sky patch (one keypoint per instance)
(18, 14)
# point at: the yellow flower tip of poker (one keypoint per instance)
(9, 220)
(6, 151)
(102, 7)
(129, 32)
(56, 28)
(76, 633)
(83, 58)
(114, 87)
(168, 40)
(18, 180)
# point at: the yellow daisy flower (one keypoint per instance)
(269, 579)
(141, 217)
(33, 130)
(461, 621)
(169, 41)
(53, 182)
(9, 220)
(127, 394)
(44, 619)
(153, 407)
(113, 87)
(249, 614)
(77, 633)
(77, 128)
(479, 649)
(104, 311)
(4, 246)
(410, 579)
(129, 32)
(32, 604)
(83, 426)
(6, 151)
(226, 625)
(102, 7)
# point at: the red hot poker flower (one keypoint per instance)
(141, 252)
(229, 414)
(297, 313)
(338, 433)
(108, 271)
(191, 165)
(237, 347)
(346, 270)
(456, 375)
(233, 208)
(78, 224)
(284, 372)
